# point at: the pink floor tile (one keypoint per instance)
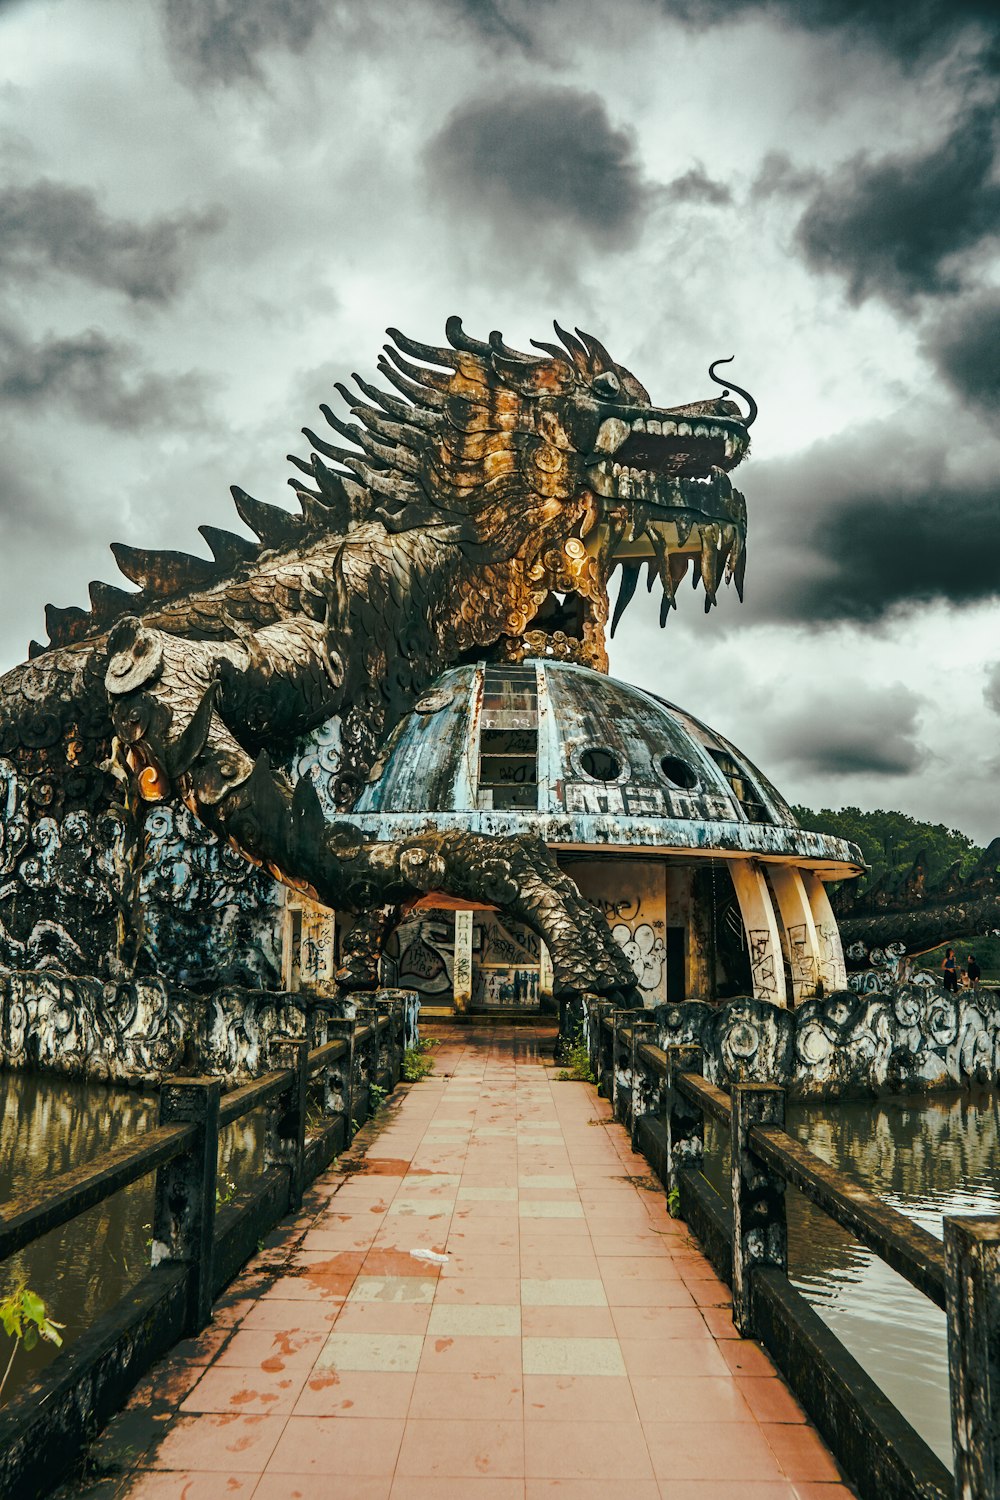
(455, 1448)
(337, 1446)
(586, 1450)
(219, 1443)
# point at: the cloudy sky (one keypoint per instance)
(210, 210)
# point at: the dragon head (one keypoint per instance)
(558, 469)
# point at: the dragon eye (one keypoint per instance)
(607, 385)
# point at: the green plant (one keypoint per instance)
(376, 1097)
(578, 1067)
(23, 1318)
(674, 1203)
(225, 1192)
(416, 1062)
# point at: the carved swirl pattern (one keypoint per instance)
(910, 1038)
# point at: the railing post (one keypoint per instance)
(285, 1139)
(760, 1235)
(338, 1078)
(684, 1121)
(366, 1053)
(621, 1067)
(605, 1048)
(645, 1091)
(972, 1258)
(184, 1201)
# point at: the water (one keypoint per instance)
(927, 1159)
(47, 1126)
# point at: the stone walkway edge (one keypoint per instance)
(575, 1336)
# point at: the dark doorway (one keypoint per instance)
(676, 966)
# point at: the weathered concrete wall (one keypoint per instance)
(633, 897)
(141, 1031)
(912, 1038)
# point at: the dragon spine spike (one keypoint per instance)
(273, 525)
(426, 352)
(459, 339)
(35, 648)
(350, 430)
(402, 411)
(64, 625)
(228, 549)
(420, 395)
(161, 574)
(498, 346)
(437, 380)
(107, 602)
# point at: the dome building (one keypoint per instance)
(705, 877)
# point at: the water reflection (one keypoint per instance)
(49, 1125)
(926, 1159)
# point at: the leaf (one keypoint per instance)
(30, 1337)
(34, 1307)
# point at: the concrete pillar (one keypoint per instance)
(761, 926)
(462, 969)
(800, 929)
(760, 1233)
(832, 969)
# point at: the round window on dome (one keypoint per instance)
(601, 764)
(679, 772)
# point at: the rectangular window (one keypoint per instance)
(508, 739)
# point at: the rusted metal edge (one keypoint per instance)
(72, 1193)
(903, 1245)
(714, 1101)
(252, 1095)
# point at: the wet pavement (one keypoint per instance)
(573, 1337)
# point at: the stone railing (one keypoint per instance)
(662, 1096)
(198, 1245)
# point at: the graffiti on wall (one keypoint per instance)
(763, 969)
(645, 951)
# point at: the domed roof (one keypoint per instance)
(583, 760)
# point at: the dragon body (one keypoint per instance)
(478, 508)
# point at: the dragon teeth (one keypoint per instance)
(611, 434)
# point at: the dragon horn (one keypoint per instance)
(599, 355)
(576, 349)
(751, 415)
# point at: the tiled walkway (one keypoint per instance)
(574, 1339)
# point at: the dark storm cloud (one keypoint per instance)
(859, 528)
(964, 343)
(52, 224)
(222, 41)
(892, 225)
(991, 687)
(695, 186)
(910, 30)
(542, 156)
(779, 177)
(507, 23)
(98, 377)
(864, 731)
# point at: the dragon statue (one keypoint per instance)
(478, 508)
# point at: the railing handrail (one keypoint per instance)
(908, 1248)
(707, 1096)
(249, 1096)
(80, 1188)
